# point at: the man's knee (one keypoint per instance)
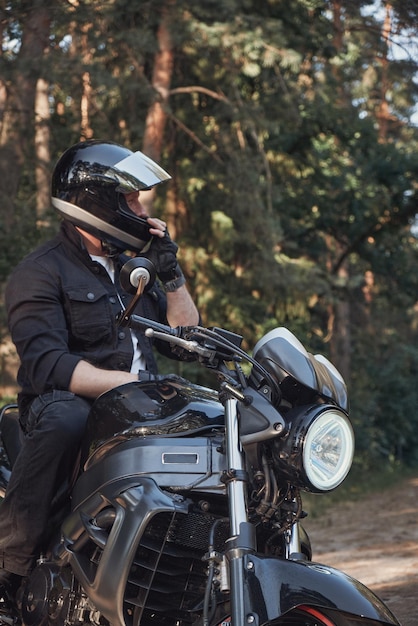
(59, 411)
(72, 414)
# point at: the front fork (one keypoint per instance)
(293, 543)
(242, 540)
(274, 585)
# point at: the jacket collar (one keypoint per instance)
(75, 242)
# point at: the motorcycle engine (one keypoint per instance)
(52, 596)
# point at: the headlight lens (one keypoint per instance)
(328, 450)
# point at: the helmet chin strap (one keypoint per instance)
(109, 249)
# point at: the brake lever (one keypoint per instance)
(186, 344)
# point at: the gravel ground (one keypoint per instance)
(375, 540)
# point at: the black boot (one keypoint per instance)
(9, 584)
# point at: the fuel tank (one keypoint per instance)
(170, 407)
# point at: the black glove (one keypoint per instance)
(144, 376)
(163, 254)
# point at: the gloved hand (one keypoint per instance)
(163, 254)
(146, 376)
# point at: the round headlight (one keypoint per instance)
(328, 450)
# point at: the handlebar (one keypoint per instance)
(186, 344)
(144, 323)
(206, 342)
(214, 347)
(180, 336)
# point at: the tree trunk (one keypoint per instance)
(340, 337)
(157, 116)
(43, 156)
(383, 114)
(83, 94)
(87, 92)
(16, 138)
(340, 345)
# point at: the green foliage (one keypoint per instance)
(294, 171)
(386, 394)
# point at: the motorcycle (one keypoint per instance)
(187, 507)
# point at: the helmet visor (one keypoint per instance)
(137, 172)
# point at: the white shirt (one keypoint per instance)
(138, 361)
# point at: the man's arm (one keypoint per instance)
(181, 310)
(90, 381)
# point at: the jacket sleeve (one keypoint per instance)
(38, 327)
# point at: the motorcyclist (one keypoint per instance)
(62, 302)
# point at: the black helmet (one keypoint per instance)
(88, 186)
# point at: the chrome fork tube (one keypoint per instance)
(293, 541)
(236, 485)
(242, 540)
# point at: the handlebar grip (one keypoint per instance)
(144, 322)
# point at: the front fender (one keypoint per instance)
(275, 586)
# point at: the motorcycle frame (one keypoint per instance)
(262, 588)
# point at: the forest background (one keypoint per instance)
(288, 128)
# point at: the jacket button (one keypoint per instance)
(121, 335)
(112, 299)
(90, 296)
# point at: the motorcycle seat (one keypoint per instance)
(11, 432)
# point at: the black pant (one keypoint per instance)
(54, 428)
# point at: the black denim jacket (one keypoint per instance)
(62, 307)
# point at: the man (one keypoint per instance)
(63, 301)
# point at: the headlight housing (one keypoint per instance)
(328, 450)
(318, 452)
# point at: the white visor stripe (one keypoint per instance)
(80, 215)
(142, 168)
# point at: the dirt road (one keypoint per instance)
(375, 540)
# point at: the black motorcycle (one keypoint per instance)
(187, 507)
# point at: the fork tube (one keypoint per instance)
(242, 540)
(236, 486)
